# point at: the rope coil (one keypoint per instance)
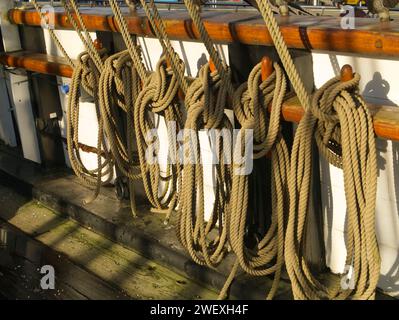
(205, 102)
(337, 111)
(158, 97)
(251, 102)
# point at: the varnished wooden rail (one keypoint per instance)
(370, 37)
(385, 118)
(36, 62)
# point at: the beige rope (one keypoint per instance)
(337, 111)
(86, 75)
(194, 9)
(83, 75)
(132, 48)
(53, 35)
(119, 87)
(159, 28)
(205, 102)
(158, 97)
(251, 102)
(282, 49)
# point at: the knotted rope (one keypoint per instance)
(158, 97)
(205, 102)
(118, 90)
(344, 133)
(251, 102)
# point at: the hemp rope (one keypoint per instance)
(205, 102)
(159, 28)
(53, 35)
(194, 9)
(304, 285)
(251, 101)
(85, 75)
(119, 86)
(158, 97)
(344, 134)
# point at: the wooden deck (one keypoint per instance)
(86, 265)
(370, 37)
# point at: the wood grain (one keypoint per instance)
(370, 37)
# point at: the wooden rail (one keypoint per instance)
(37, 62)
(370, 37)
(385, 118)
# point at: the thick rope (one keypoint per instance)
(194, 9)
(87, 75)
(251, 103)
(83, 75)
(132, 48)
(158, 97)
(344, 134)
(53, 35)
(205, 102)
(159, 28)
(78, 25)
(118, 89)
(282, 50)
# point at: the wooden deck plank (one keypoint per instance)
(370, 36)
(137, 276)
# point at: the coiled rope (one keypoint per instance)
(86, 73)
(158, 97)
(251, 102)
(344, 134)
(358, 156)
(119, 86)
(205, 102)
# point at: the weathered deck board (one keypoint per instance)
(137, 276)
(370, 36)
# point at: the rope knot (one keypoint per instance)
(207, 98)
(251, 102)
(325, 107)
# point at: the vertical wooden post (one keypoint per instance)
(267, 68)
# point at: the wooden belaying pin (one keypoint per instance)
(212, 65)
(98, 44)
(266, 68)
(346, 73)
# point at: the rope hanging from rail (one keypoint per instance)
(251, 103)
(86, 73)
(157, 98)
(344, 134)
(205, 102)
(358, 157)
(119, 86)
